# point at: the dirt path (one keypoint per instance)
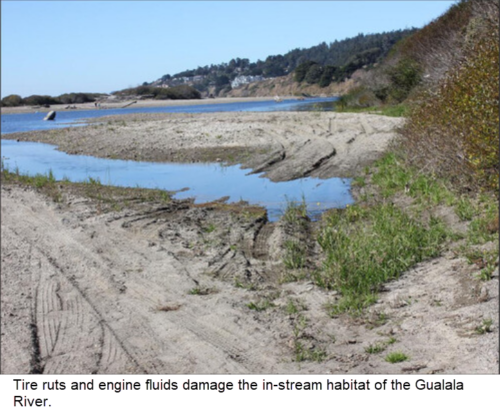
(177, 288)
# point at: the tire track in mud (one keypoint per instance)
(36, 363)
(64, 320)
(260, 249)
(71, 313)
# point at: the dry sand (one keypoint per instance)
(169, 288)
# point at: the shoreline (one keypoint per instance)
(138, 104)
(281, 145)
(127, 281)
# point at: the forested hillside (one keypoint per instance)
(349, 54)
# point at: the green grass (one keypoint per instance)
(396, 357)
(485, 327)
(202, 291)
(248, 286)
(293, 307)
(107, 197)
(308, 354)
(375, 348)
(365, 247)
(379, 347)
(45, 183)
(295, 212)
(295, 255)
(209, 228)
(261, 305)
(484, 225)
(399, 110)
(392, 175)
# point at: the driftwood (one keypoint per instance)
(126, 105)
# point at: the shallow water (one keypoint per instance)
(15, 123)
(206, 181)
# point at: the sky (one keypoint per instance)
(56, 47)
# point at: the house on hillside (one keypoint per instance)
(245, 79)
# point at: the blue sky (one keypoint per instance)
(56, 47)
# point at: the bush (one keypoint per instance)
(40, 100)
(327, 76)
(77, 98)
(455, 132)
(180, 92)
(12, 101)
(404, 76)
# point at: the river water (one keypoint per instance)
(206, 181)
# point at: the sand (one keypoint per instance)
(175, 287)
(283, 145)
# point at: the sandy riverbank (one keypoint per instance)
(137, 104)
(283, 145)
(97, 281)
(165, 288)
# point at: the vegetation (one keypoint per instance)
(446, 77)
(295, 255)
(455, 132)
(202, 291)
(295, 212)
(325, 63)
(369, 244)
(308, 354)
(44, 100)
(261, 305)
(181, 92)
(396, 357)
(106, 198)
(366, 247)
(375, 348)
(485, 327)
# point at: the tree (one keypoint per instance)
(221, 80)
(12, 101)
(314, 74)
(327, 76)
(301, 70)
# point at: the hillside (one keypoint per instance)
(352, 54)
(286, 86)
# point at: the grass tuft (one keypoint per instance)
(396, 357)
(365, 247)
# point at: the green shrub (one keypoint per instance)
(12, 101)
(404, 77)
(454, 132)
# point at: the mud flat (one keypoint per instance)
(100, 280)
